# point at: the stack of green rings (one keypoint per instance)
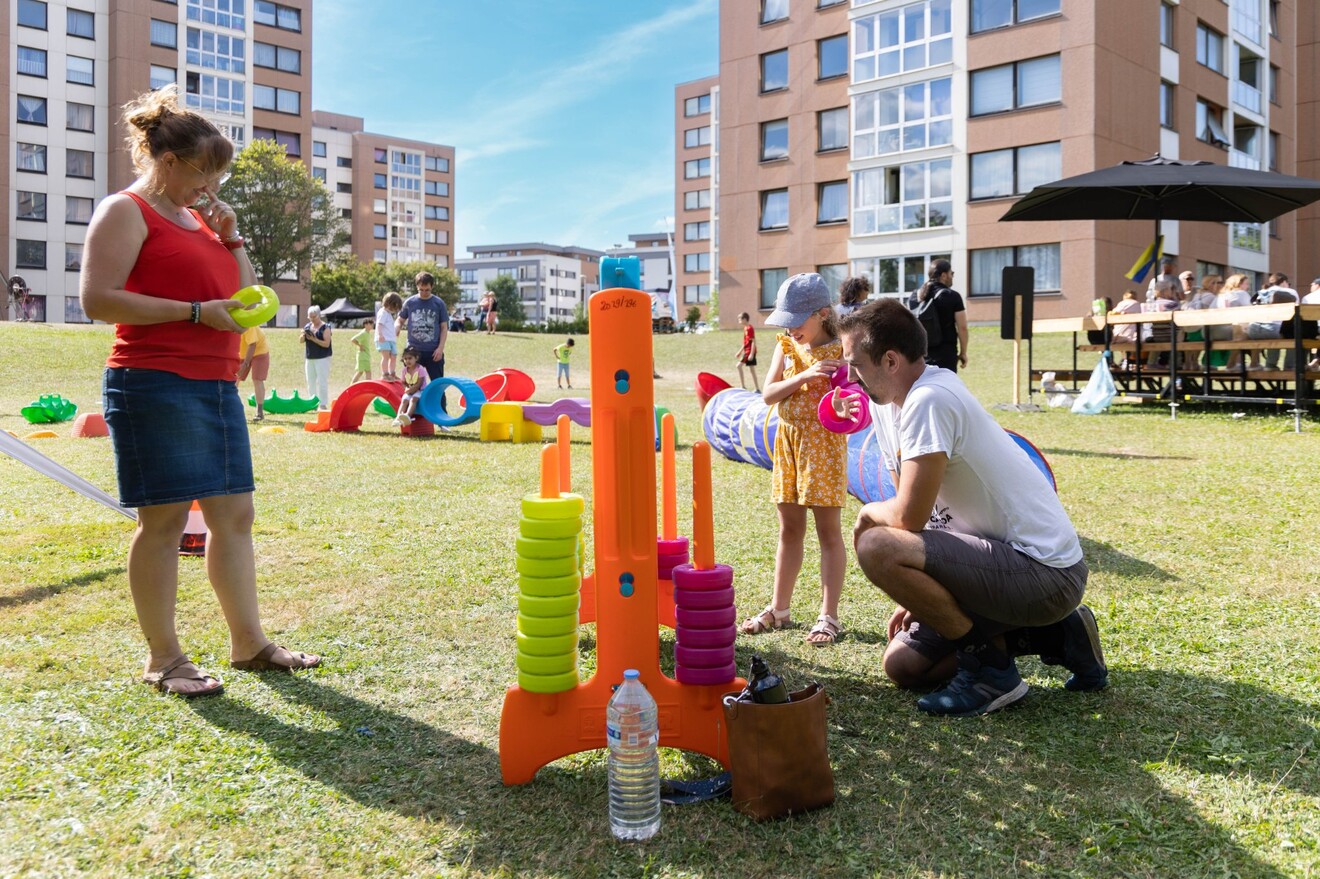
(549, 580)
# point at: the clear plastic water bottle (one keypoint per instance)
(631, 726)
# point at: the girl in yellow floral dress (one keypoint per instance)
(810, 468)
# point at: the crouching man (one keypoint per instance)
(975, 548)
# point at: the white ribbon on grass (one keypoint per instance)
(21, 451)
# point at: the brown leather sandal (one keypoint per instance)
(182, 669)
(263, 662)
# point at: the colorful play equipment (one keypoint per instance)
(348, 409)
(564, 715)
(740, 426)
(291, 405)
(49, 409)
(259, 305)
(89, 424)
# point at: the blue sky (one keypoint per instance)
(561, 110)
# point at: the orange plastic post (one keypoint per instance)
(668, 483)
(549, 471)
(703, 517)
(563, 424)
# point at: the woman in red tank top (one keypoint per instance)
(161, 261)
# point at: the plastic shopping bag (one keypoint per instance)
(1098, 393)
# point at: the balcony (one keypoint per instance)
(1246, 21)
(1247, 96)
(1239, 159)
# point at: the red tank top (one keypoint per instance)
(183, 265)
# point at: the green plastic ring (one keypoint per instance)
(546, 607)
(259, 305)
(547, 665)
(547, 645)
(548, 683)
(563, 507)
(560, 567)
(544, 548)
(550, 529)
(547, 627)
(550, 587)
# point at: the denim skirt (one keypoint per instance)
(176, 439)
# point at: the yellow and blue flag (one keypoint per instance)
(1149, 259)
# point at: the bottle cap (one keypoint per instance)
(631, 674)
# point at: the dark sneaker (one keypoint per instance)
(976, 689)
(1081, 652)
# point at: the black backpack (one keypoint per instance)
(929, 316)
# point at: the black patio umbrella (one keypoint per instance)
(1167, 189)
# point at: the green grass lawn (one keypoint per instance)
(1200, 760)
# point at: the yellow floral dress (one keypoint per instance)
(811, 463)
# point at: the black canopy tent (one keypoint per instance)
(342, 311)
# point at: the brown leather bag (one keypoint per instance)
(779, 755)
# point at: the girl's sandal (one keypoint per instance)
(765, 621)
(829, 627)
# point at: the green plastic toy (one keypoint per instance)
(384, 408)
(286, 405)
(49, 409)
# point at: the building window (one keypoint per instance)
(991, 14)
(695, 294)
(344, 187)
(1209, 48)
(79, 70)
(833, 276)
(222, 13)
(1011, 86)
(203, 91)
(266, 97)
(774, 209)
(696, 231)
(694, 168)
(276, 57)
(381, 154)
(696, 106)
(774, 71)
(31, 157)
(378, 205)
(832, 202)
(438, 188)
(1210, 124)
(832, 57)
(163, 76)
(32, 13)
(695, 137)
(29, 254)
(78, 210)
(774, 140)
(437, 163)
(773, 10)
(318, 149)
(275, 15)
(31, 110)
(1168, 91)
(164, 33)
(80, 117)
(1274, 85)
(909, 117)
(378, 230)
(318, 173)
(380, 181)
(1273, 13)
(696, 262)
(913, 196)
(73, 259)
(1015, 171)
(79, 163)
(987, 267)
(896, 276)
(213, 51)
(1273, 157)
(80, 23)
(1166, 25)
(909, 38)
(770, 281)
(32, 62)
(436, 212)
(696, 200)
(31, 206)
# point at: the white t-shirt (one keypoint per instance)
(1311, 298)
(991, 488)
(385, 326)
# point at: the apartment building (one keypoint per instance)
(946, 111)
(397, 194)
(74, 64)
(696, 192)
(552, 280)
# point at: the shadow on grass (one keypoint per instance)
(1101, 556)
(1066, 785)
(1122, 456)
(41, 593)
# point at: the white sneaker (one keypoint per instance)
(398, 421)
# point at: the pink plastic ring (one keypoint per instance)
(666, 574)
(705, 676)
(688, 577)
(705, 619)
(703, 599)
(833, 423)
(670, 560)
(671, 547)
(687, 637)
(702, 657)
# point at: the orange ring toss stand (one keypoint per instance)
(538, 728)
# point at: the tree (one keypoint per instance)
(365, 284)
(693, 315)
(399, 276)
(287, 217)
(713, 307)
(510, 304)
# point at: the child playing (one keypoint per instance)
(747, 355)
(366, 335)
(255, 353)
(561, 355)
(387, 335)
(810, 468)
(414, 379)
